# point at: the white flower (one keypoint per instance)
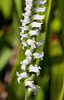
(36, 25)
(24, 63)
(24, 28)
(34, 69)
(20, 76)
(28, 54)
(24, 22)
(38, 55)
(40, 9)
(31, 43)
(28, 1)
(39, 42)
(36, 89)
(39, 17)
(24, 36)
(26, 14)
(28, 7)
(34, 32)
(31, 85)
(24, 44)
(41, 2)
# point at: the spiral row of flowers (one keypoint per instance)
(31, 26)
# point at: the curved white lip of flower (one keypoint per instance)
(31, 85)
(24, 36)
(38, 55)
(24, 44)
(31, 43)
(34, 69)
(36, 24)
(41, 2)
(39, 17)
(20, 76)
(34, 32)
(40, 9)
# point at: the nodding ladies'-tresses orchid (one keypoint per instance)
(31, 27)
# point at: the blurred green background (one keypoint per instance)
(51, 79)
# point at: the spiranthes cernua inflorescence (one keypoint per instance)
(31, 27)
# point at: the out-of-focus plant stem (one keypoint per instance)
(62, 93)
(61, 8)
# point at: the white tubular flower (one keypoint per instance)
(36, 25)
(24, 44)
(20, 76)
(28, 54)
(39, 42)
(28, 2)
(41, 2)
(31, 85)
(24, 28)
(31, 43)
(28, 7)
(38, 55)
(24, 63)
(40, 9)
(34, 32)
(34, 69)
(26, 14)
(24, 36)
(24, 22)
(39, 17)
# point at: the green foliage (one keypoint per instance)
(61, 7)
(6, 7)
(5, 55)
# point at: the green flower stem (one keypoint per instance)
(29, 93)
